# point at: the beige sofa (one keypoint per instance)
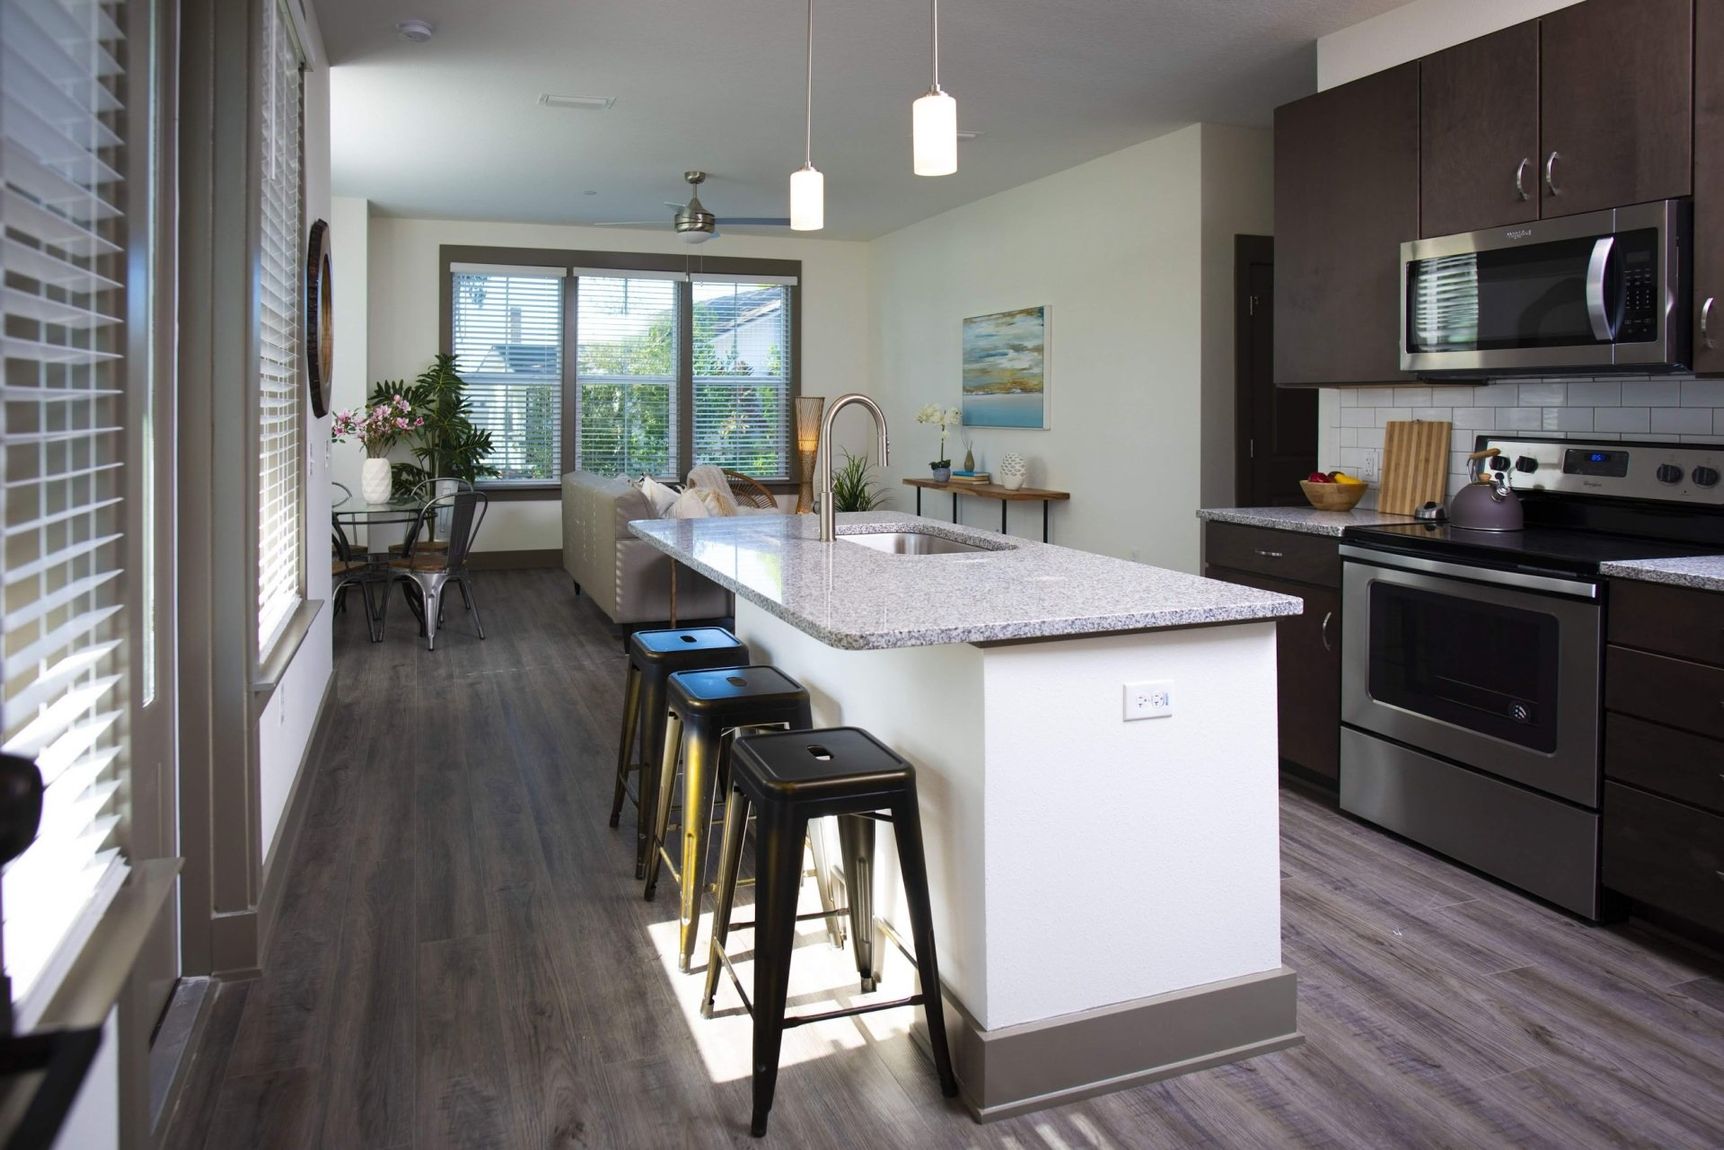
(625, 577)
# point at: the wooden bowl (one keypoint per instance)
(1333, 496)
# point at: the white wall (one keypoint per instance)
(1415, 30)
(404, 281)
(286, 724)
(350, 235)
(1121, 252)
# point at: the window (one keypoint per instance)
(280, 465)
(665, 368)
(507, 332)
(742, 375)
(626, 374)
(62, 453)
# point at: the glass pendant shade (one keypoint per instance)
(935, 134)
(807, 199)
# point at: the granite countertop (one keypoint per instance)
(1306, 520)
(854, 598)
(1702, 572)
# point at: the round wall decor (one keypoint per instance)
(319, 318)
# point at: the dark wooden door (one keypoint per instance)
(1346, 198)
(1307, 673)
(1478, 133)
(1616, 104)
(1276, 440)
(1709, 186)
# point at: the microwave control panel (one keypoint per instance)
(1666, 472)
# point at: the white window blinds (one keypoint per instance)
(742, 376)
(61, 454)
(626, 375)
(280, 469)
(507, 330)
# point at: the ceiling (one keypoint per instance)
(453, 128)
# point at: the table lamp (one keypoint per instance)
(809, 409)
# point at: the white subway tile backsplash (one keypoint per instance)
(1376, 396)
(1437, 414)
(1369, 437)
(1358, 417)
(1462, 439)
(1567, 419)
(1348, 396)
(1349, 436)
(1682, 420)
(1519, 419)
(1703, 393)
(1622, 419)
(1652, 393)
(1477, 418)
(1718, 421)
(1411, 396)
(1595, 392)
(1497, 395)
(1544, 393)
(1392, 414)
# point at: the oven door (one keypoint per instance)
(1499, 671)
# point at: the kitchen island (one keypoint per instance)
(1106, 894)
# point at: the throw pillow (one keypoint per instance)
(659, 495)
(688, 505)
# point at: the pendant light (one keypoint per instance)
(807, 185)
(934, 119)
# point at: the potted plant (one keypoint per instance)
(853, 486)
(377, 428)
(445, 442)
(945, 418)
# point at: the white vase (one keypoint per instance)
(374, 481)
(1013, 471)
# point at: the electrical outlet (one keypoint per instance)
(1148, 700)
(1369, 467)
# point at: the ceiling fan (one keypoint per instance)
(693, 222)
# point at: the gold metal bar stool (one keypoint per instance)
(653, 657)
(788, 778)
(705, 710)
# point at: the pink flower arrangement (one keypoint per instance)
(377, 427)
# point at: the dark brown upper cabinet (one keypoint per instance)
(1709, 186)
(1346, 198)
(1616, 104)
(1478, 133)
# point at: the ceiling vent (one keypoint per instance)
(584, 103)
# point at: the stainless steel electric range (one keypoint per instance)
(1471, 688)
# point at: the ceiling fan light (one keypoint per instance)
(694, 237)
(807, 199)
(934, 134)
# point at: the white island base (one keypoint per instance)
(1106, 894)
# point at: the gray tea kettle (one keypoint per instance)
(1487, 503)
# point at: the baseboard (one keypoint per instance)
(286, 839)
(515, 560)
(1018, 1069)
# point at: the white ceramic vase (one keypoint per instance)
(1013, 471)
(374, 481)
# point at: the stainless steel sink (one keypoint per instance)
(916, 543)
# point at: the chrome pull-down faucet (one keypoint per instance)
(828, 520)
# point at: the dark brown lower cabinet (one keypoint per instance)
(1665, 854)
(1307, 654)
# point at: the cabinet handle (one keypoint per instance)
(1550, 173)
(1270, 554)
(1324, 630)
(1520, 177)
(1706, 321)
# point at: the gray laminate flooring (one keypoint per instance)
(463, 959)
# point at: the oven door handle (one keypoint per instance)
(1572, 588)
(1597, 273)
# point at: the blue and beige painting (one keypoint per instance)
(1005, 380)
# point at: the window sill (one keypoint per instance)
(274, 666)
(101, 971)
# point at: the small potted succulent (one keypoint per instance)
(945, 418)
(377, 428)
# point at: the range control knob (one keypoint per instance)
(1669, 473)
(1526, 465)
(1499, 463)
(1705, 476)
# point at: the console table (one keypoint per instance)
(1006, 495)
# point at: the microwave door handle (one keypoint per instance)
(1596, 269)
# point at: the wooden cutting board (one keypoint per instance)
(1415, 465)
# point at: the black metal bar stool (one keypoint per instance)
(654, 656)
(705, 711)
(789, 777)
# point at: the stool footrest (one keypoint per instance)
(846, 1012)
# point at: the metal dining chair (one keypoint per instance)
(428, 570)
(423, 492)
(349, 569)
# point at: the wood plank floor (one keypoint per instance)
(464, 960)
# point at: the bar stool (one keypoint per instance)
(705, 711)
(789, 777)
(653, 657)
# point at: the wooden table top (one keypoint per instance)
(992, 490)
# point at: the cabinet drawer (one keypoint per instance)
(1665, 854)
(1674, 692)
(1670, 762)
(1670, 620)
(1281, 554)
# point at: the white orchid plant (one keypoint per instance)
(945, 418)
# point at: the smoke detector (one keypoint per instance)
(417, 31)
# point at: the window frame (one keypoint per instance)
(621, 262)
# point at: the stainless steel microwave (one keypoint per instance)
(1603, 291)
